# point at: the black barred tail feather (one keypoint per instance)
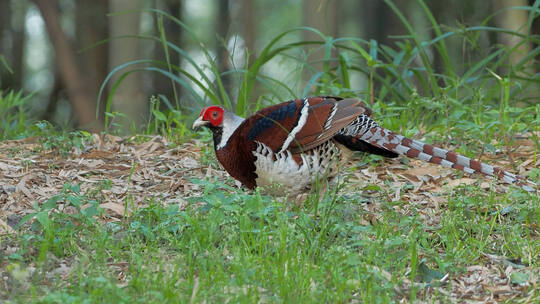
(400, 144)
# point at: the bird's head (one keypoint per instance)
(221, 122)
(211, 116)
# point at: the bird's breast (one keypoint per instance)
(297, 172)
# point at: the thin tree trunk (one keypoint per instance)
(5, 30)
(54, 96)
(323, 16)
(17, 53)
(222, 30)
(380, 22)
(94, 61)
(514, 20)
(160, 83)
(249, 26)
(247, 14)
(12, 25)
(129, 98)
(83, 105)
(535, 30)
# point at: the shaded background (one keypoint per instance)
(53, 49)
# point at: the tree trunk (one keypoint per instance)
(535, 30)
(5, 31)
(12, 26)
(83, 106)
(223, 56)
(54, 97)
(162, 85)
(249, 27)
(94, 61)
(380, 22)
(514, 20)
(323, 16)
(129, 98)
(17, 53)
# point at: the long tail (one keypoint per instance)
(383, 138)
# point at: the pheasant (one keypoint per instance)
(293, 145)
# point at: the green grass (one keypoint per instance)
(14, 114)
(240, 247)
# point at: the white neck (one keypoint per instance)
(231, 122)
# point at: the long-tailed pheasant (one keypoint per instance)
(297, 143)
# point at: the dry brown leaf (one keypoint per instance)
(424, 174)
(119, 209)
(22, 186)
(485, 185)
(460, 181)
(476, 268)
(189, 162)
(98, 154)
(5, 228)
(499, 289)
(91, 163)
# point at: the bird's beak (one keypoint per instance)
(199, 123)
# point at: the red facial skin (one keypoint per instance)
(213, 114)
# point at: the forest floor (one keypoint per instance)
(124, 176)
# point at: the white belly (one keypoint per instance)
(279, 172)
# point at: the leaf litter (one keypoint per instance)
(117, 168)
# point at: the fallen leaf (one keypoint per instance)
(424, 174)
(460, 181)
(119, 209)
(5, 228)
(499, 289)
(189, 162)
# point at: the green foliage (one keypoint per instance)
(55, 227)
(17, 123)
(14, 114)
(59, 141)
(231, 246)
(70, 196)
(5, 65)
(168, 122)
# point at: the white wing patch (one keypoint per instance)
(328, 123)
(301, 123)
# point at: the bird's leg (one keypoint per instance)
(320, 188)
(298, 199)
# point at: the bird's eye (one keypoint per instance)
(214, 114)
